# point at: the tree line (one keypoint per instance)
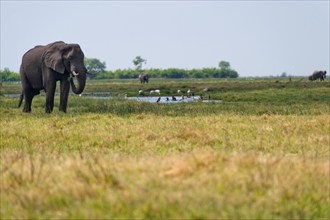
(95, 65)
(175, 73)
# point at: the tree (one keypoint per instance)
(94, 65)
(224, 65)
(138, 61)
(226, 71)
(7, 75)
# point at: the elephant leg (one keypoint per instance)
(50, 93)
(28, 100)
(65, 87)
(28, 96)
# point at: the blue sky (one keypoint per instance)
(257, 38)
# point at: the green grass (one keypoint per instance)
(263, 153)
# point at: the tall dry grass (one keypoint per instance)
(149, 166)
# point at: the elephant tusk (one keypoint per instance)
(74, 73)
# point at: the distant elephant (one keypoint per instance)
(43, 66)
(318, 74)
(144, 78)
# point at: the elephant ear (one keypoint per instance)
(53, 57)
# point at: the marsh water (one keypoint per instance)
(171, 100)
(151, 99)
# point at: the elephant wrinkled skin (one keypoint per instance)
(43, 66)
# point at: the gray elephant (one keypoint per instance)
(144, 78)
(43, 66)
(318, 74)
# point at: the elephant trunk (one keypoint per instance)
(81, 78)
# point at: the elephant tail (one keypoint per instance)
(20, 100)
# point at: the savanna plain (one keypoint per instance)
(261, 153)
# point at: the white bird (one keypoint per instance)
(206, 89)
(140, 92)
(188, 93)
(179, 91)
(155, 91)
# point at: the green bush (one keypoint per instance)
(7, 75)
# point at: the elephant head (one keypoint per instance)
(67, 59)
(323, 75)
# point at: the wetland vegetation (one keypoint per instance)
(262, 153)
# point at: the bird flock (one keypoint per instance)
(180, 96)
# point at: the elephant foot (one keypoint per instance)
(48, 110)
(62, 110)
(27, 109)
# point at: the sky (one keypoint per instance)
(258, 38)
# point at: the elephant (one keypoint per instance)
(144, 78)
(318, 74)
(44, 65)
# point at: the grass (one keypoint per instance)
(263, 153)
(198, 184)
